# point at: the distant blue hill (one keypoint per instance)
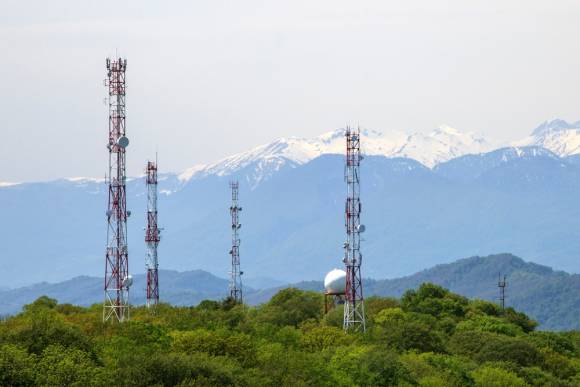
(187, 288)
(551, 297)
(525, 202)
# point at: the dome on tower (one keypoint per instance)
(335, 282)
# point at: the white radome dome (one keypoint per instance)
(335, 282)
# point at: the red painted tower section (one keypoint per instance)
(117, 278)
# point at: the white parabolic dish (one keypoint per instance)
(335, 282)
(128, 281)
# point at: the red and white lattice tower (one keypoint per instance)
(354, 311)
(117, 278)
(152, 236)
(235, 273)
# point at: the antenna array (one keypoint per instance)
(235, 273)
(152, 236)
(117, 278)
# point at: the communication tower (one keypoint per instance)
(501, 284)
(236, 273)
(117, 278)
(152, 236)
(354, 311)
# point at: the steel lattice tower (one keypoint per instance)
(236, 273)
(152, 236)
(501, 285)
(354, 311)
(117, 278)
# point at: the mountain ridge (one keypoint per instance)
(415, 217)
(431, 149)
(550, 296)
(518, 199)
(441, 145)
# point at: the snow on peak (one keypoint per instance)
(554, 125)
(442, 144)
(514, 152)
(446, 129)
(189, 172)
(557, 135)
(7, 184)
(84, 180)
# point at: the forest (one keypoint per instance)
(428, 337)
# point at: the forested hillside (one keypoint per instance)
(550, 297)
(429, 337)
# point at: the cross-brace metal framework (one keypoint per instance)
(117, 278)
(152, 237)
(235, 273)
(354, 311)
(501, 284)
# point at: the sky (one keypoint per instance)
(207, 79)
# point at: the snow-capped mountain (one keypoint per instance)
(512, 199)
(7, 184)
(559, 136)
(469, 167)
(442, 144)
(517, 199)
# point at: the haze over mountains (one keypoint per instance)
(427, 199)
(551, 297)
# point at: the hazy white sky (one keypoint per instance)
(210, 78)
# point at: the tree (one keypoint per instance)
(216, 343)
(489, 324)
(291, 306)
(198, 369)
(320, 338)
(484, 346)
(369, 366)
(16, 366)
(496, 377)
(43, 326)
(509, 349)
(434, 300)
(556, 341)
(374, 304)
(42, 302)
(520, 319)
(404, 331)
(432, 369)
(60, 366)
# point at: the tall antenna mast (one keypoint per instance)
(117, 278)
(236, 273)
(501, 285)
(354, 311)
(152, 236)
